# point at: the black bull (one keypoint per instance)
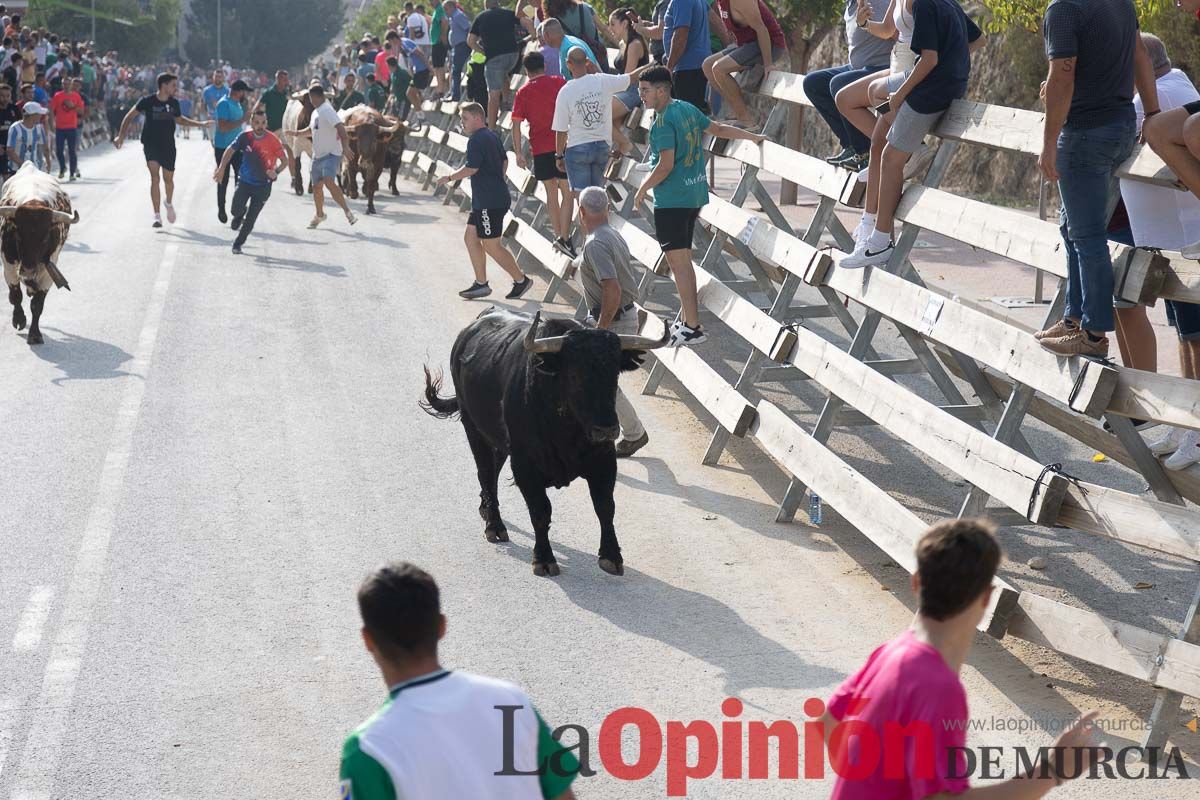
(546, 399)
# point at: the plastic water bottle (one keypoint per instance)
(814, 508)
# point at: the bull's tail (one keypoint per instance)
(433, 405)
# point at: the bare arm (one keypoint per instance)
(610, 301)
(1060, 88)
(717, 25)
(885, 28)
(678, 45)
(133, 112)
(560, 143)
(517, 143)
(192, 123)
(649, 31)
(633, 54)
(474, 43)
(457, 175)
(1143, 78)
(749, 11)
(342, 136)
(219, 173)
(666, 163)
(925, 65)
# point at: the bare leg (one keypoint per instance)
(476, 253)
(620, 140)
(155, 197)
(680, 262)
(854, 102)
(1189, 359)
(319, 197)
(169, 184)
(1169, 134)
(499, 253)
(878, 142)
(336, 194)
(493, 108)
(553, 209)
(720, 70)
(566, 204)
(891, 180)
(1135, 338)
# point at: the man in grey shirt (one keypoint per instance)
(609, 288)
(868, 54)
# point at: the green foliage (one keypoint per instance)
(263, 34)
(1008, 14)
(145, 41)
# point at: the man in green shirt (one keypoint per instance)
(401, 750)
(350, 97)
(376, 93)
(439, 35)
(398, 82)
(680, 187)
(274, 101)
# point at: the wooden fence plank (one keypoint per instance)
(1132, 518)
(727, 406)
(540, 248)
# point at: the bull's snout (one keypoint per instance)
(609, 433)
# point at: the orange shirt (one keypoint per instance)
(66, 118)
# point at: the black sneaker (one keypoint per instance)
(1138, 424)
(237, 249)
(475, 291)
(62, 173)
(837, 160)
(565, 247)
(856, 162)
(519, 289)
(627, 447)
(236, 224)
(683, 334)
(222, 216)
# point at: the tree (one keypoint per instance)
(152, 31)
(263, 34)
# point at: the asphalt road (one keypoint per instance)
(209, 452)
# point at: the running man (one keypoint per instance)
(328, 132)
(262, 157)
(274, 101)
(401, 751)
(232, 116)
(158, 139)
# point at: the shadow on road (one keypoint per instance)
(296, 265)
(80, 358)
(694, 623)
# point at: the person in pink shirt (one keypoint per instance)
(67, 106)
(391, 48)
(912, 684)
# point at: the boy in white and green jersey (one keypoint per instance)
(442, 734)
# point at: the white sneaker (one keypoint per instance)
(315, 221)
(1192, 251)
(862, 233)
(683, 334)
(863, 175)
(864, 256)
(1169, 442)
(1187, 454)
(351, 218)
(170, 212)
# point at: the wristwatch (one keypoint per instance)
(559, 156)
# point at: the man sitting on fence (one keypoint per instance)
(944, 37)
(758, 39)
(680, 188)
(609, 288)
(868, 55)
(913, 682)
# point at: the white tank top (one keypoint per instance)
(903, 58)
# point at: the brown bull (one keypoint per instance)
(296, 117)
(371, 136)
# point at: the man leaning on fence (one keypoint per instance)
(609, 288)
(1095, 58)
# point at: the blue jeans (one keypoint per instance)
(1087, 162)
(823, 85)
(458, 61)
(70, 138)
(585, 165)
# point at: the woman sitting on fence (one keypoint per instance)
(634, 53)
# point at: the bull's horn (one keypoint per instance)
(8, 211)
(395, 126)
(550, 344)
(63, 216)
(630, 342)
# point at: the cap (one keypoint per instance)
(33, 107)
(239, 86)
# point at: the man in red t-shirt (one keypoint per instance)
(534, 103)
(390, 49)
(911, 684)
(67, 109)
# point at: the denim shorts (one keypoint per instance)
(629, 98)
(585, 164)
(326, 167)
(496, 70)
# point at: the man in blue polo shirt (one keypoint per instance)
(686, 44)
(231, 115)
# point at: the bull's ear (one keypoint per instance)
(632, 359)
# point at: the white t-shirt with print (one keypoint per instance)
(324, 131)
(584, 108)
(417, 23)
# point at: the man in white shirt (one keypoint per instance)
(583, 120)
(1169, 220)
(327, 131)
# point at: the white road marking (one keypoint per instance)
(33, 620)
(35, 776)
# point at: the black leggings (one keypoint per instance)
(256, 197)
(234, 165)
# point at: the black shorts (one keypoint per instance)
(163, 154)
(675, 227)
(422, 79)
(488, 222)
(1193, 107)
(439, 54)
(545, 168)
(692, 86)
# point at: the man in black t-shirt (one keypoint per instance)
(485, 166)
(158, 138)
(9, 114)
(494, 33)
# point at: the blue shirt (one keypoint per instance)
(485, 153)
(40, 96)
(693, 15)
(228, 109)
(460, 26)
(941, 26)
(567, 43)
(410, 47)
(211, 96)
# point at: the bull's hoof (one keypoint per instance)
(496, 534)
(299, 189)
(548, 569)
(612, 567)
(19, 321)
(35, 337)
(371, 210)
(395, 192)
